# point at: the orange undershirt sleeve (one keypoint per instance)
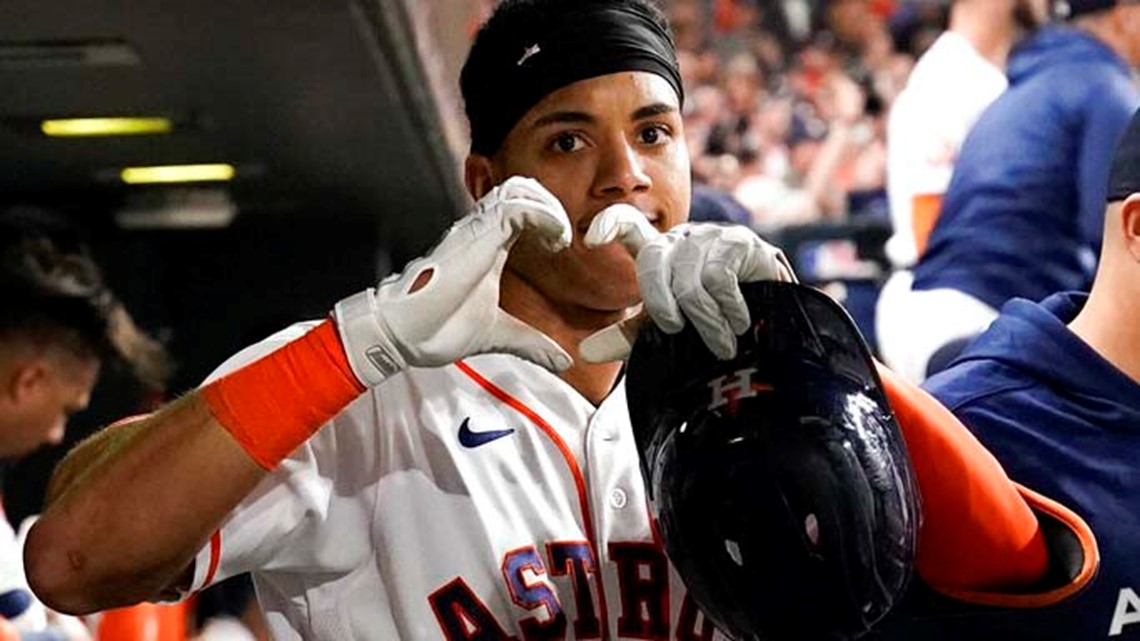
(978, 532)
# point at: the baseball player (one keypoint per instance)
(952, 83)
(59, 323)
(1051, 388)
(449, 456)
(958, 76)
(1022, 215)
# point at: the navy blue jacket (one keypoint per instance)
(1024, 211)
(1065, 422)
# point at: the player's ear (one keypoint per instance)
(1130, 224)
(21, 372)
(478, 175)
(28, 378)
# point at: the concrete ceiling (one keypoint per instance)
(319, 104)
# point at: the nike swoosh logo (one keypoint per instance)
(470, 439)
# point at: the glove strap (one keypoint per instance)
(372, 355)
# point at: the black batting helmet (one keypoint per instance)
(778, 480)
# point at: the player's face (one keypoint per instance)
(612, 139)
(40, 397)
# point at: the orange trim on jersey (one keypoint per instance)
(1089, 564)
(215, 558)
(924, 211)
(654, 529)
(978, 532)
(571, 462)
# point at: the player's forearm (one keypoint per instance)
(137, 504)
(84, 456)
(134, 507)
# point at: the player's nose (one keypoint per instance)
(621, 171)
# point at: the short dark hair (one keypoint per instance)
(57, 298)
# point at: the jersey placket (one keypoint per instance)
(614, 480)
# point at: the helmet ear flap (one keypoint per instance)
(779, 480)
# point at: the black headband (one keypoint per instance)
(1124, 177)
(503, 80)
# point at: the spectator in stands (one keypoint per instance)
(716, 206)
(789, 135)
(825, 159)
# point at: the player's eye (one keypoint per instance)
(654, 135)
(567, 142)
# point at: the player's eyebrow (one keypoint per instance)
(650, 111)
(560, 117)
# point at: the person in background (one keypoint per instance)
(450, 454)
(952, 83)
(59, 325)
(1053, 390)
(1024, 209)
(715, 206)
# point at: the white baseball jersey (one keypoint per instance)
(482, 500)
(948, 89)
(17, 603)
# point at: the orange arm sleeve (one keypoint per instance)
(274, 404)
(978, 532)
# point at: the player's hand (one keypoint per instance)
(692, 271)
(445, 305)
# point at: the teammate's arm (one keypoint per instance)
(133, 507)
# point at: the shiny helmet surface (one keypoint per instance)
(778, 481)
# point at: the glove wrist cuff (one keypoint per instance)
(372, 354)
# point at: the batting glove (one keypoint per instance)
(692, 271)
(445, 306)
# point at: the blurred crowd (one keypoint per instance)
(787, 101)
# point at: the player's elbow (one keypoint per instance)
(78, 579)
(58, 571)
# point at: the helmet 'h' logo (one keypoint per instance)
(730, 389)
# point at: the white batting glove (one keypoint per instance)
(692, 271)
(445, 306)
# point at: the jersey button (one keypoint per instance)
(617, 498)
